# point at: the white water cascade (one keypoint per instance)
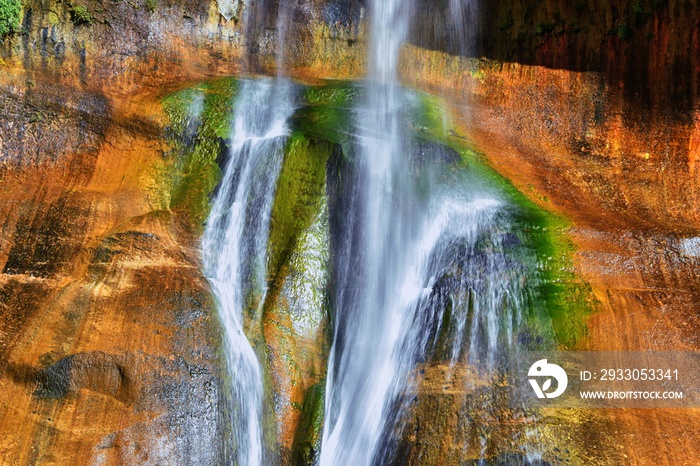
(407, 247)
(235, 243)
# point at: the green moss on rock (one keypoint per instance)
(307, 441)
(295, 312)
(199, 123)
(327, 113)
(300, 188)
(10, 12)
(81, 16)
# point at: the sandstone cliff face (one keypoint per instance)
(96, 368)
(137, 48)
(650, 49)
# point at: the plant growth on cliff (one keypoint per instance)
(10, 11)
(81, 16)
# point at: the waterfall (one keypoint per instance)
(419, 267)
(408, 248)
(235, 243)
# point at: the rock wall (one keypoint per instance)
(648, 49)
(140, 47)
(95, 367)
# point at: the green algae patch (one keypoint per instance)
(326, 114)
(295, 315)
(301, 281)
(295, 322)
(567, 299)
(300, 189)
(10, 13)
(199, 122)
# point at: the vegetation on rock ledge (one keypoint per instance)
(81, 16)
(10, 12)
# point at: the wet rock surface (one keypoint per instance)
(39, 122)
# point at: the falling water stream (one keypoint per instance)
(235, 243)
(404, 235)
